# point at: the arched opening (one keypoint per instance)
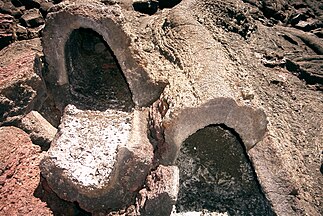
(216, 175)
(95, 77)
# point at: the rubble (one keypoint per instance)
(39, 129)
(160, 192)
(21, 88)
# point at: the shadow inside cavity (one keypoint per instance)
(216, 175)
(96, 79)
(57, 205)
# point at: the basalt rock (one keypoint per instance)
(39, 129)
(92, 157)
(19, 174)
(160, 192)
(21, 88)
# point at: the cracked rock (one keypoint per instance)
(32, 18)
(39, 129)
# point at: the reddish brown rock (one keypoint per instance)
(19, 174)
(21, 88)
(161, 190)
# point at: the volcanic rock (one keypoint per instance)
(19, 174)
(21, 88)
(160, 194)
(39, 129)
(32, 18)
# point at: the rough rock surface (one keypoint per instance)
(216, 175)
(32, 18)
(251, 125)
(22, 19)
(19, 174)
(160, 192)
(6, 30)
(40, 131)
(91, 159)
(214, 49)
(21, 88)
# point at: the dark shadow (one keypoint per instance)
(216, 174)
(150, 7)
(95, 77)
(168, 3)
(57, 205)
(146, 7)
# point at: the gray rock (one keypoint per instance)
(35, 32)
(32, 18)
(39, 129)
(145, 90)
(249, 123)
(44, 7)
(6, 30)
(8, 8)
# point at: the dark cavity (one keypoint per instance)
(95, 77)
(216, 175)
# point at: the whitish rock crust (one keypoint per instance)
(87, 145)
(99, 159)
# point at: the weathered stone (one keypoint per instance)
(307, 68)
(44, 8)
(94, 75)
(160, 193)
(201, 213)
(21, 89)
(21, 32)
(32, 18)
(6, 30)
(197, 46)
(35, 32)
(213, 166)
(91, 160)
(250, 124)
(8, 8)
(19, 175)
(57, 32)
(39, 129)
(57, 205)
